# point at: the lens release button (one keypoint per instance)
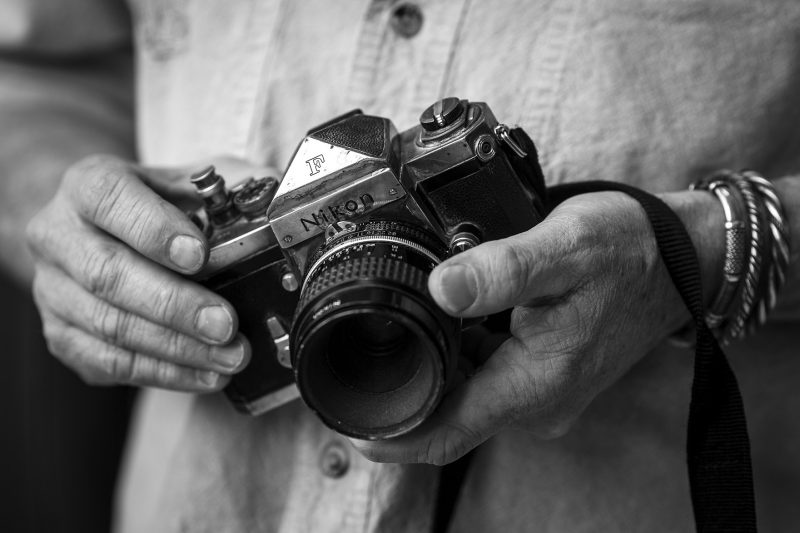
(335, 460)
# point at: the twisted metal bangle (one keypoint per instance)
(779, 255)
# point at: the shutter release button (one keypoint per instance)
(441, 114)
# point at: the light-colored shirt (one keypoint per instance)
(655, 93)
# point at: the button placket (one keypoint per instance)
(424, 33)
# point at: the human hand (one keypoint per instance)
(109, 253)
(591, 296)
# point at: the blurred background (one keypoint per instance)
(65, 92)
(60, 440)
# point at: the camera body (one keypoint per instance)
(328, 271)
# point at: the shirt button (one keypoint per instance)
(335, 460)
(406, 20)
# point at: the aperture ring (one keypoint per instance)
(365, 268)
(369, 239)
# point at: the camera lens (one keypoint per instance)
(372, 352)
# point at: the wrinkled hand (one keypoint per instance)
(590, 296)
(109, 250)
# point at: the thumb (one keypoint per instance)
(497, 275)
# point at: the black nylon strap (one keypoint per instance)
(451, 479)
(717, 445)
(718, 448)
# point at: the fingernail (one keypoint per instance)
(459, 287)
(215, 323)
(186, 252)
(228, 357)
(209, 378)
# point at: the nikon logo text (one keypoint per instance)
(333, 213)
(315, 164)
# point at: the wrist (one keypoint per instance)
(704, 219)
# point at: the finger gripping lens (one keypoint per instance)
(372, 352)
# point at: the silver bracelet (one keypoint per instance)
(779, 254)
(735, 252)
(756, 252)
(736, 326)
(723, 185)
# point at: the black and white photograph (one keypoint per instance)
(400, 266)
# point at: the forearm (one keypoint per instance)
(53, 115)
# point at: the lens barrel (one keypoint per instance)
(372, 352)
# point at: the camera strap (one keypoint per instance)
(717, 445)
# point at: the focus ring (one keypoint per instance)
(363, 268)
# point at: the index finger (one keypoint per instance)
(470, 414)
(108, 193)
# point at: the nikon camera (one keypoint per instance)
(328, 270)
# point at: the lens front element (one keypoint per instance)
(371, 350)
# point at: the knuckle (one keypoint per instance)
(143, 370)
(38, 291)
(520, 380)
(104, 190)
(36, 231)
(146, 229)
(529, 400)
(121, 366)
(43, 232)
(110, 323)
(57, 343)
(175, 344)
(512, 263)
(167, 306)
(99, 182)
(580, 233)
(103, 270)
(163, 372)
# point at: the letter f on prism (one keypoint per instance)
(315, 164)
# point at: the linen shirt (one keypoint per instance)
(655, 93)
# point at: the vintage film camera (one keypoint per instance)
(328, 270)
